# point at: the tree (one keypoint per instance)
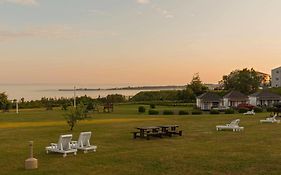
(5, 104)
(277, 108)
(246, 81)
(75, 114)
(196, 85)
(186, 95)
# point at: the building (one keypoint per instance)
(234, 98)
(276, 77)
(264, 98)
(265, 78)
(208, 100)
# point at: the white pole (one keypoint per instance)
(74, 97)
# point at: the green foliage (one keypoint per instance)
(156, 96)
(196, 112)
(153, 112)
(214, 111)
(141, 109)
(186, 95)
(75, 114)
(168, 112)
(258, 109)
(243, 110)
(183, 112)
(5, 104)
(277, 108)
(229, 111)
(115, 98)
(270, 109)
(246, 81)
(152, 106)
(196, 86)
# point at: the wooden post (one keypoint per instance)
(31, 163)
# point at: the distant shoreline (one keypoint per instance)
(129, 88)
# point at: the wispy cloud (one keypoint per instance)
(60, 32)
(143, 1)
(21, 2)
(98, 12)
(165, 13)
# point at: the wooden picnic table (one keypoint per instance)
(148, 131)
(170, 130)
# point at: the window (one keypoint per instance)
(277, 71)
(277, 79)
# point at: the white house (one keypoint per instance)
(276, 77)
(234, 98)
(264, 98)
(208, 100)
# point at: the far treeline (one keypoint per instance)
(246, 81)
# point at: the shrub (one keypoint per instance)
(153, 112)
(229, 111)
(196, 112)
(152, 106)
(270, 109)
(258, 109)
(214, 111)
(141, 109)
(168, 112)
(182, 112)
(243, 110)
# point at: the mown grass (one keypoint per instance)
(202, 150)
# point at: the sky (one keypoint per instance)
(136, 42)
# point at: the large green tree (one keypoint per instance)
(246, 81)
(196, 85)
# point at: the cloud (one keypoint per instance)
(165, 13)
(57, 32)
(21, 2)
(48, 32)
(98, 12)
(143, 1)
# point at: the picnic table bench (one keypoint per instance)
(157, 131)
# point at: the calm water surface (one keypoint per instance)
(35, 92)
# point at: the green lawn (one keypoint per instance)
(201, 150)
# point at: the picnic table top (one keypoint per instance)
(149, 127)
(168, 126)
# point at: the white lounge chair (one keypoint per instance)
(252, 112)
(234, 126)
(83, 143)
(270, 120)
(63, 146)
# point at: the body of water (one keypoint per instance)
(36, 92)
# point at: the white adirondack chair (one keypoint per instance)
(63, 146)
(252, 112)
(83, 143)
(234, 126)
(270, 120)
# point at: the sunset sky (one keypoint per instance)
(137, 42)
